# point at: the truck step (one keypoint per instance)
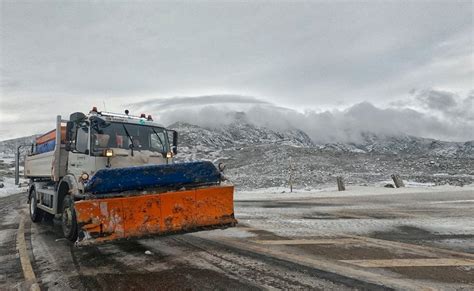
(46, 191)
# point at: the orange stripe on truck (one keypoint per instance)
(108, 219)
(51, 135)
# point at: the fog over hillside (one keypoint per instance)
(428, 113)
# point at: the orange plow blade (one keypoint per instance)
(107, 219)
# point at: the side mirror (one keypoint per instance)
(69, 128)
(175, 142)
(69, 135)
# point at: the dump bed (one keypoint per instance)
(48, 158)
(47, 142)
(40, 165)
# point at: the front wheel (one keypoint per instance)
(36, 214)
(69, 222)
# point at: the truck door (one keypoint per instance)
(80, 160)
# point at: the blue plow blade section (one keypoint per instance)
(45, 147)
(153, 176)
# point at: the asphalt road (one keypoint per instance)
(397, 241)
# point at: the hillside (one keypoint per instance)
(259, 157)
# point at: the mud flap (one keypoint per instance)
(107, 219)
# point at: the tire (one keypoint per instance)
(36, 214)
(69, 222)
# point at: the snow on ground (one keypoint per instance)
(9, 187)
(278, 193)
(443, 210)
(312, 227)
(7, 159)
(229, 232)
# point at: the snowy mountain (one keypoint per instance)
(240, 134)
(259, 157)
(406, 145)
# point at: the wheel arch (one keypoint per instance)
(67, 186)
(30, 189)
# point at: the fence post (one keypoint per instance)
(340, 184)
(291, 175)
(397, 180)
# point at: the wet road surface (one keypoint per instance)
(402, 241)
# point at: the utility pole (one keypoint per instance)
(17, 165)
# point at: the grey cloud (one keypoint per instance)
(350, 124)
(305, 55)
(347, 125)
(309, 52)
(449, 104)
(166, 103)
(437, 100)
(343, 125)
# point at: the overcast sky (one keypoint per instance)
(59, 57)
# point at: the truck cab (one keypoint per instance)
(108, 140)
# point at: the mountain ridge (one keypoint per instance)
(259, 157)
(246, 134)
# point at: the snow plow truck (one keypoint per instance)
(111, 176)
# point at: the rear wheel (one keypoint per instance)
(36, 214)
(69, 223)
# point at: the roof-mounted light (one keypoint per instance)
(149, 118)
(94, 109)
(143, 115)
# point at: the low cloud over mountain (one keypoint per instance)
(426, 113)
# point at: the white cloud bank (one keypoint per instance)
(426, 113)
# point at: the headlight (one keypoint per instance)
(169, 155)
(84, 176)
(109, 153)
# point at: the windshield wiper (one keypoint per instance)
(159, 138)
(130, 137)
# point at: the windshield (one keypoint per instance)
(106, 135)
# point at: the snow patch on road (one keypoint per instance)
(234, 232)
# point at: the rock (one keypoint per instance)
(148, 253)
(1, 185)
(389, 186)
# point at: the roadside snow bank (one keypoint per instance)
(9, 187)
(284, 193)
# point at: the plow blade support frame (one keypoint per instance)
(105, 219)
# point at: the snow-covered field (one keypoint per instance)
(278, 193)
(9, 187)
